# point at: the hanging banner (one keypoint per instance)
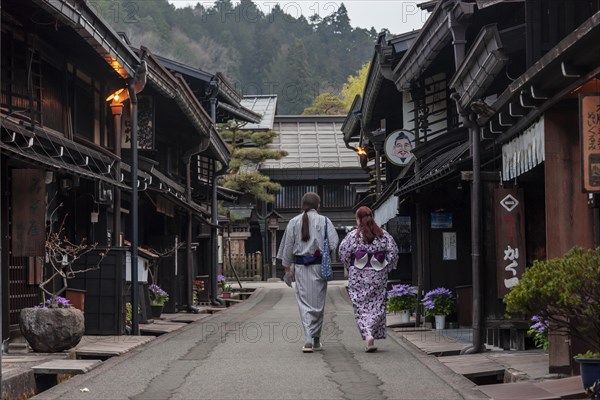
(510, 238)
(589, 130)
(28, 213)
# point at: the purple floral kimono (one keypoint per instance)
(368, 266)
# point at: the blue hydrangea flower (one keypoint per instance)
(540, 325)
(439, 301)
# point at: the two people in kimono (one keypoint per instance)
(368, 252)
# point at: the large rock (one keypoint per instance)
(50, 330)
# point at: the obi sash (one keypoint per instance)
(308, 260)
(362, 259)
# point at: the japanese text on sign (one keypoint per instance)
(511, 255)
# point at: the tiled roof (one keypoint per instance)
(311, 142)
(265, 106)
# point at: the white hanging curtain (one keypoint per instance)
(387, 211)
(524, 152)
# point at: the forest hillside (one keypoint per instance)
(262, 49)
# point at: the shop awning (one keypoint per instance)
(175, 193)
(436, 167)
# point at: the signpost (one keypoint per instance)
(510, 238)
(589, 129)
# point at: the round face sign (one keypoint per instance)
(398, 147)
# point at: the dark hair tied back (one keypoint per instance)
(310, 201)
(367, 228)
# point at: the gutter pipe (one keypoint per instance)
(134, 208)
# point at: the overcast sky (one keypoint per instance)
(399, 16)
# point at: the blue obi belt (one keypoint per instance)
(308, 260)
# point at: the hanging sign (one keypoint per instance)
(510, 238)
(398, 147)
(589, 131)
(28, 213)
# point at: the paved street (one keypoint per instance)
(252, 351)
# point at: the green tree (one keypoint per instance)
(355, 84)
(326, 104)
(248, 150)
(238, 39)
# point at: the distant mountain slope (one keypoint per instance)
(261, 50)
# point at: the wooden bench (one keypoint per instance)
(46, 374)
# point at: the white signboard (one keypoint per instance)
(449, 243)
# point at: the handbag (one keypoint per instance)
(326, 257)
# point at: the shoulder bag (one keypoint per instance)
(326, 257)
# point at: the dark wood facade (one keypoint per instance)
(60, 119)
(513, 92)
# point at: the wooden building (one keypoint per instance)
(69, 87)
(490, 97)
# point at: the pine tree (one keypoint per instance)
(248, 150)
(326, 104)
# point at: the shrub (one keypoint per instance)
(564, 291)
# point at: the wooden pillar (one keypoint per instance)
(569, 219)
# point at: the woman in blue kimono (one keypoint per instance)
(369, 253)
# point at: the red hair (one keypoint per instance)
(367, 228)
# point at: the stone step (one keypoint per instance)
(18, 348)
(71, 367)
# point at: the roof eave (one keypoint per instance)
(94, 30)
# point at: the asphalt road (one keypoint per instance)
(253, 351)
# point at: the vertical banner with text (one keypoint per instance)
(510, 238)
(589, 130)
(28, 212)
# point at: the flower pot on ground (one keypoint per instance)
(156, 310)
(439, 303)
(440, 322)
(224, 286)
(404, 316)
(402, 299)
(53, 327)
(158, 298)
(589, 364)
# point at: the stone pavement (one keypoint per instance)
(528, 368)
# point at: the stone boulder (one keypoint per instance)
(50, 330)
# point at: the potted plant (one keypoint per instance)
(52, 326)
(439, 303)
(403, 299)
(158, 298)
(55, 325)
(225, 287)
(564, 291)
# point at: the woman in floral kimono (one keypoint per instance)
(369, 253)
